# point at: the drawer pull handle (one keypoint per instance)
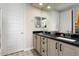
(43, 42)
(60, 47)
(56, 46)
(43, 38)
(43, 51)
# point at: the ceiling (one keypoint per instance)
(54, 6)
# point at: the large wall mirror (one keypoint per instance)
(40, 22)
(76, 20)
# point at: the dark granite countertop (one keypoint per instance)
(76, 43)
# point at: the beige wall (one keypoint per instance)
(53, 21)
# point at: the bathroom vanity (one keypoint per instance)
(52, 45)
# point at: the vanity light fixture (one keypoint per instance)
(40, 4)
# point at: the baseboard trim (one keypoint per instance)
(14, 52)
(28, 49)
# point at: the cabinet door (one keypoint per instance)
(66, 50)
(77, 51)
(38, 44)
(34, 41)
(52, 47)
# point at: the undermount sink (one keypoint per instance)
(66, 39)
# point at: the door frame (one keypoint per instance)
(1, 33)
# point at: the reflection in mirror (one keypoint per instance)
(40, 22)
(77, 22)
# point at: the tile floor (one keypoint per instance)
(24, 53)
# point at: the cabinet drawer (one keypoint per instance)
(43, 42)
(44, 45)
(43, 52)
(43, 39)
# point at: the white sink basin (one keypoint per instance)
(66, 39)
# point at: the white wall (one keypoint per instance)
(65, 21)
(53, 21)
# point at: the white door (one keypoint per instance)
(15, 35)
(13, 31)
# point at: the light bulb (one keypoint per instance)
(48, 7)
(41, 4)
